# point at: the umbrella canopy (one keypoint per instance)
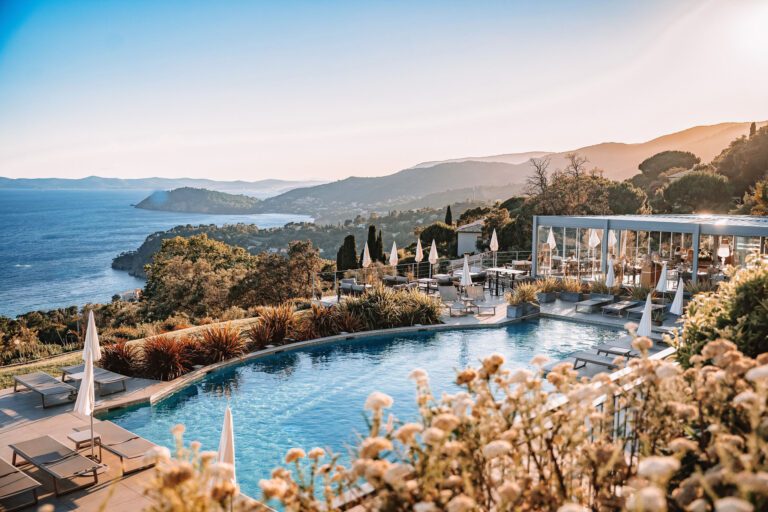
(433, 253)
(393, 255)
(551, 242)
(419, 252)
(623, 252)
(227, 442)
(366, 256)
(661, 286)
(677, 302)
(594, 239)
(86, 395)
(610, 276)
(466, 279)
(612, 239)
(645, 328)
(494, 241)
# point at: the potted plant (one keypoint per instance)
(547, 289)
(570, 290)
(522, 300)
(600, 290)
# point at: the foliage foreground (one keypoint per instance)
(657, 438)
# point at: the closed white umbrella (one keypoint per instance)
(86, 395)
(552, 243)
(393, 257)
(466, 279)
(594, 241)
(419, 252)
(610, 277)
(432, 257)
(366, 256)
(612, 240)
(677, 302)
(494, 245)
(661, 286)
(227, 442)
(645, 328)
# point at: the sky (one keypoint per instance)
(328, 89)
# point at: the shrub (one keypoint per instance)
(348, 322)
(570, 285)
(599, 286)
(549, 285)
(384, 308)
(259, 335)
(121, 358)
(738, 311)
(279, 321)
(317, 322)
(417, 308)
(166, 358)
(522, 293)
(219, 343)
(688, 442)
(700, 286)
(640, 292)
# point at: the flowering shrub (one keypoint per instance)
(738, 311)
(656, 438)
(192, 480)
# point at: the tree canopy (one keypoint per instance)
(745, 161)
(697, 191)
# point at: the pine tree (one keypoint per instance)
(449, 216)
(752, 129)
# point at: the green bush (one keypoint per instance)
(121, 358)
(737, 310)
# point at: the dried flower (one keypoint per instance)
(658, 468)
(316, 453)
(667, 371)
(460, 503)
(758, 374)
(371, 446)
(177, 430)
(539, 360)
(446, 422)
(496, 449)
(466, 376)
(433, 436)
(377, 401)
(273, 488)
(733, 504)
(157, 454)
(572, 507)
(406, 432)
(294, 454)
(647, 499)
(509, 491)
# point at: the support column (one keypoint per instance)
(695, 262)
(535, 247)
(604, 248)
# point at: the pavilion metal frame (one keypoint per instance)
(694, 225)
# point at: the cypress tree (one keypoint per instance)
(347, 257)
(372, 243)
(380, 248)
(448, 216)
(752, 129)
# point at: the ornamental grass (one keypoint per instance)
(657, 438)
(219, 343)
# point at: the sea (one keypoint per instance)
(56, 246)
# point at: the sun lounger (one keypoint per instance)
(583, 357)
(58, 461)
(656, 311)
(618, 308)
(476, 296)
(14, 482)
(121, 442)
(101, 377)
(595, 301)
(614, 350)
(44, 385)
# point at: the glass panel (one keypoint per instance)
(571, 248)
(745, 246)
(543, 253)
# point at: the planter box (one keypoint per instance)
(603, 296)
(521, 310)
(546, 297)
(570, 296)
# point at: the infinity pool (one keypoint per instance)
(314, 396)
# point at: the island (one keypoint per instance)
(199, 200)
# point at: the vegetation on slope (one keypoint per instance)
(199, 200)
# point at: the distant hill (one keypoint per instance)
(198, 200)
(428, 182)
(260, 189)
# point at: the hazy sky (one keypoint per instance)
(324, 89)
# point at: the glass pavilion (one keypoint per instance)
(696, 247)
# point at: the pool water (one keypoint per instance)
(314, 396)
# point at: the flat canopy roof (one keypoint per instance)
(708, 224)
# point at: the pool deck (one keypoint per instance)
(22, 416)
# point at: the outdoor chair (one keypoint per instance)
(44, 385)
(450, 299)
(585, 356)
(14, 483)
(58, 461)
(618, 308)
(476, 294)
(101, 377)
(121, 442)
(595, 301)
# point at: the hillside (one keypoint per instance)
(435, 180)
(260, 189)
(198, 200)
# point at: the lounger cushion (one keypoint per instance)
(54, 457)
(14, 481)
(44, 384)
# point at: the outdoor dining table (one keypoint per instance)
(502, 271)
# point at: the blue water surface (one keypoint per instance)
(314, 397)
(57, 245)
